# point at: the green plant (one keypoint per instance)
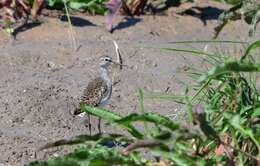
(92, 6)
(249, 10)
(11, 11)
(232, 2)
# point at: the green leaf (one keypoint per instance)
(245, 131)
(149, 117)
(178, 159)
(256, 112)
(255, 20)
(141, 101)
(93, 6)
(228, 67)
(55, 162)
(77, 5)
(98, 156)
(9, 30)
(110, 117)
(250, 48)
(189, 110)
(102, 113)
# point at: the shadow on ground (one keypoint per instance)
(77, 21)
(203, 13)
(128, 22)
(25, 27)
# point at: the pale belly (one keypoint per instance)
(105, 100)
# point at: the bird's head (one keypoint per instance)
(105, 61)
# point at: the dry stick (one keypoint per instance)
(119, 60)
(119, 57)
(71, 31)
(153, 143)
(241, 151)
(141, 144)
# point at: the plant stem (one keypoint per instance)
(141, 100)
(71, 32)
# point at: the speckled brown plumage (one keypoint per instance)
(93, 94)
(95, 91)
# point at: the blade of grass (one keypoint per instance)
(189, 110)
(235, 122)
(211, 57)
(207, 41)
(162, 96)
(141, 101)
(250, 48)
(200, 90)
(71, 31)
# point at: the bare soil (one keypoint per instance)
(42, 78)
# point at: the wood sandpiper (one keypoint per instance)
(98, 92)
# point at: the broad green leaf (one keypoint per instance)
(111, 117)
(77, 5)
(102, 113)
(149, 117)
(89, 157)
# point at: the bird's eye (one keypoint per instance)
(109, 60)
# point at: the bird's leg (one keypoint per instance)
(89, 124)
(99, 125)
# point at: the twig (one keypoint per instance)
(241, 151)
(141, 144)
(71, 31)
(118, 54)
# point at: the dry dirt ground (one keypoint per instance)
(42, 78)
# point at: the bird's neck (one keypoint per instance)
(104, 75)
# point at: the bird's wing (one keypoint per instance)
(94, 92)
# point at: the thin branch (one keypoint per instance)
(141, 144)
(241, 151)
(119, 57)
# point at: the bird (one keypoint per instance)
(98, 91)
